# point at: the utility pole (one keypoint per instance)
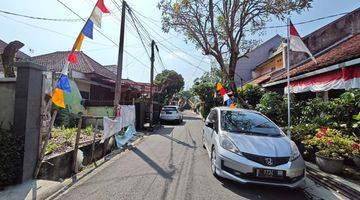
(152, 59)
(120, 58)
(288, 77)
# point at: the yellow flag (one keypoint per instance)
(58, 98)
(78, 42)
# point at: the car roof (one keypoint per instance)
(225, 108)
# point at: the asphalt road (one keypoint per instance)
(170, 164)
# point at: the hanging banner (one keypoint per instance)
(344, 78)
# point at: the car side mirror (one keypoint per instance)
(210, 125)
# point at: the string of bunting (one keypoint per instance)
(227, 100)
(63, 84)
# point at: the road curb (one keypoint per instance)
(334, 177)
(87, 171)
(333, 182)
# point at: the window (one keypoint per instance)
(169, 108)
(248, 123)
(212, 116)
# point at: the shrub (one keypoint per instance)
(337, 113)
(51, 147)
(69, 133)
(300, 132)
(316, 111)
(330, 143)
(343, 111)
(11, 151)
(67, 119)
(296, 109)
(355, 149)
(272, 105)
(251, 94)
(88, 130)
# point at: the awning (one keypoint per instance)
(343, 78)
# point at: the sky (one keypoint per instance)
(41, 37)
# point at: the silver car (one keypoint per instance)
(171, 113)
(247, 147)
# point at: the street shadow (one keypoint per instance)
(191, 118)
(178, 141)
(262, 191)
(164, 130)
(173, 123)
(154, 165)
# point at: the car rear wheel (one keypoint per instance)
(213, 162)
(203, 141)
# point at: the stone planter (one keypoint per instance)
(330, 165)
(357, 161)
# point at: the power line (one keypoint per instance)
(39, 18)
(169, 50)
(140, 37)
(307, 21)
(108, 38)
(50, 30)
(161, 62)
(166, 39)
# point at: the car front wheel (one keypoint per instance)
(213, 162)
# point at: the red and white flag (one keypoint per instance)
(296, 44)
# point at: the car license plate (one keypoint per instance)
(169, 113)
(269, 173)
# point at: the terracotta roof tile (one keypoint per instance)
(347, 50)
(56, 61)
(260, 79)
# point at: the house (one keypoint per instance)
(336, 47)
(95, 81)
(144, 88)
(18, 57)
(259, 55)
(275, 62)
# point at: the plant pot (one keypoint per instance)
(330, 165)
(357, 161)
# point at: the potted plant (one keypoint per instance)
(332, 147)
(356, 153)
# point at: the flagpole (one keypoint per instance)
(288, 77)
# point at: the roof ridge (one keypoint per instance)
(46, 54)
(281, 75)
(103, 66)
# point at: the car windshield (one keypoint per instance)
(169, 109)
(248, 123)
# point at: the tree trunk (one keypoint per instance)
(232, 84)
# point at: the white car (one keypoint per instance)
(247, 147)
(171, 113)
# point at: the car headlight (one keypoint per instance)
(227, 144)
(294, 151)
